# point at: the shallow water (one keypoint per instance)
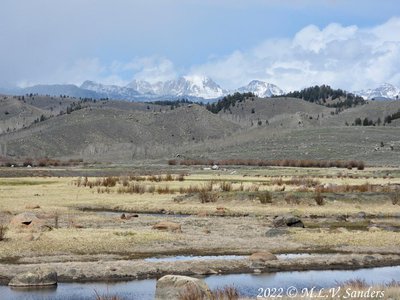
(193, 257)
(118, 214)
(247, 284)
(228, 257)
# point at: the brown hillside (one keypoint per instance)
(112, 133)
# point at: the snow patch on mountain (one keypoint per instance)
(261, 89)
(194, 86)
(386, 90)
(110, 91)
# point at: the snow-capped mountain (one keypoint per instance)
(261, 89)
(110, 91)
(384, 91)
(193, 86)
(142, 86)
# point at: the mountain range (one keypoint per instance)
(382, 92)
(195, 88)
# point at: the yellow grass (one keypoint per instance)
(350, 238)
(78, 241)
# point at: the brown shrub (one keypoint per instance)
(124, 181)
(109, 181)
(265, 197)
(206, 196)
(3, 230)
(165, 190)
(172, 162)
(134, 188)
(253, 188)
(395, 196)
(319, 199)
(181, 177)
(151, 189)
(225, 186)
(308, 163)
(292, 198)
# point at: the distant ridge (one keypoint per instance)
(385, 91)
(193, 87)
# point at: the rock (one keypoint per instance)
(35, 278)
(29, 237)
(202, 214)
(287, 220)
(361, 215)
(32, 206)
(341, 230)
(292, 221)
(274, 232)
(168, 226)
(374, 229)
(262, 256)
(221, 211)
(215, 167)
(279, 222)
(26, 220)
(173, 287)
(341, 218)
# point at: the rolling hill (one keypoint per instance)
(117, 134)
(265, 128)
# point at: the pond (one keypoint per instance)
(247, 284)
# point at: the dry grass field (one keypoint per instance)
(231, 208)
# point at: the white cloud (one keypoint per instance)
(152, 69)
(348, 57)
(342, 56)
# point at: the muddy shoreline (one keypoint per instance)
(125, 270)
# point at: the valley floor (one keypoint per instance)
(104, 228)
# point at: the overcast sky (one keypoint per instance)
(351, 44)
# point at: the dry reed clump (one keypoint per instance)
(299, 181)
(395, 196)
(252, 188)
(278, 163)
(346, 188)
(357, 283)
(104, 190)
(106, 296)
(164, 190)
(194, 293)
(319, 199)
(264, 197)
(292, 198)
(206, 195)
(133, 188)
(225, 186)
(112, 181)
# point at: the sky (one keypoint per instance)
(349, 44)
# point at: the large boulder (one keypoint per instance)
(174, 287)
(168, 226)
(287, 221)
(36, 278)
(26, 220)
